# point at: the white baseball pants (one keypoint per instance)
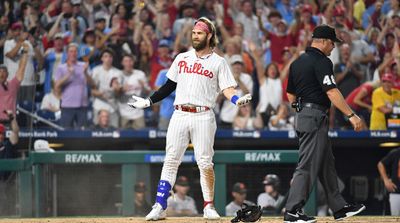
(200, 129)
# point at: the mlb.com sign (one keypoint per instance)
(262, 157)
(83, 158)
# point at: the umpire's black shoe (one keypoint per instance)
(297, 217)
(348, 210)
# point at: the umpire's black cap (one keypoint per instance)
(325, 32)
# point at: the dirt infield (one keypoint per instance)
(362, 219)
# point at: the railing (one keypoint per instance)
(221, 133)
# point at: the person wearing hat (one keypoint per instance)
(53, 57)
(9, 85)
(384, 100)
(271, 200)
(279, 38)
(181, 204)
(239, 193)
(141, 204)
(245, 85)
(302, 27)
(160, 60)
(12, 59)
(311, 90)
(88, 50)
(100, 23)
(78, 13)
(70, 20)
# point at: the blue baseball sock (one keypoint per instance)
(163, 189)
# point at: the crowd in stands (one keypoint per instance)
(85, 58)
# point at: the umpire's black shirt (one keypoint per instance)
(310, 76)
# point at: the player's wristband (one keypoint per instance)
(351, 115)
(234, 98)
(151, 102)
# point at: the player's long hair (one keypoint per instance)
(211, 27)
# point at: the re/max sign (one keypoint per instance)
(262, 157)
(83, 158)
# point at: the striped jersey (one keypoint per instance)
(200, 79)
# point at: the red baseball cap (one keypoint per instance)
(2, 129)
(16, 25)
(387, 77)
(339, 11)
(307, 8)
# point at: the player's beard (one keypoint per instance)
(199, 45)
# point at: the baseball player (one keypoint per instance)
(198, 75)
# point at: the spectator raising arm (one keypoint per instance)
(14, 131)
(101, 42)
(54, 29)
(14, 52)
(358, 99)
(261, 25)
(137, 32)
(37, 50)
(21, 69)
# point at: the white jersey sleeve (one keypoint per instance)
(95, 75)
(225, 76)
(173, 70)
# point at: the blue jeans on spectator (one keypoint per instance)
(69, 116)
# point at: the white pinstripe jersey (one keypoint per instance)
(200, 79)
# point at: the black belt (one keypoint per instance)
(315, 106)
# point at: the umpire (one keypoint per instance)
(311, 89)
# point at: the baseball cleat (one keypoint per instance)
(348, 210)
(297, 217)
(210, 212)
(157, 213)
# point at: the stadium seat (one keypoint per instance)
(46, 115)
(28, 105)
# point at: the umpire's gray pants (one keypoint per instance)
(315, 159)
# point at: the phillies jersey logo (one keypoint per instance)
(197, 68)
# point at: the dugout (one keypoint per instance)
(55, 183)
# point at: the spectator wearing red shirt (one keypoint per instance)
(279, 39)
(162, 60)
(341, 19)
(386, 45)
(303, 26)
(390, 65)
(9, 89)
(360, 100)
